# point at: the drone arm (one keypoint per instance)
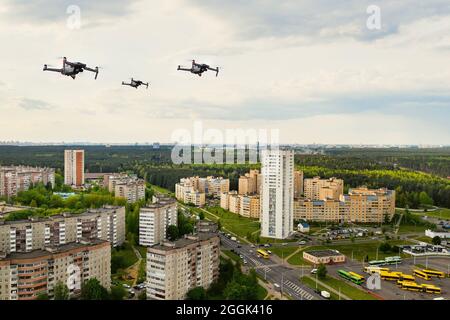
(214, 69)
(52, 69)
(126, 84)
(184, 69)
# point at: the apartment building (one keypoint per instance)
(277, 193)
(154, 220)
(23, 276)
(197, 188)
(320, 189)
(107, 224)
(250, 206)
(250, 183)
(370, 205)
(360, 205)
(74, 168)
(173, 268)
(19, 178)
(298, 184)
(188, 190)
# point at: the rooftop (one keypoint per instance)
(324, 253)
(186, 241)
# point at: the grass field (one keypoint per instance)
(441, 213)
(360, 251)
(127, 254)
(232, 255)
(235, 223)
(161, 190)
(412, 229)
(347, 289)
(307, 281)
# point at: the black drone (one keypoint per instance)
(199, 68)
(135, 83)
(71, 69)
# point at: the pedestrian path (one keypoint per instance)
(305, 294)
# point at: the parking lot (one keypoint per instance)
(390, 290)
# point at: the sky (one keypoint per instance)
(311, 69)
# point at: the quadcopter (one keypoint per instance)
(135, 83)
(71, 69)
(199, 68)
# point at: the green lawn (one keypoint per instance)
(347, 289)
(235, 223)
(262, 292)
(307, 281)
(270, 240)
(423, 239)
(442, 213)
(143, 251)
(161, 190)
(412, 228)
(360, 250)
(232, 255)
(127, 254)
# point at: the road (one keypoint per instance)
(286, 277)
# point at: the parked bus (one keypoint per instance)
(356, 275)
(407, 277)
(434, 273)
(386, 261)
(377, 263)
(421, 274)
(411, 286)
(371, 270)
(390, 276)
(346, 275)
(262, 253)
(431, 289)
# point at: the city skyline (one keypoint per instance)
(311, 69)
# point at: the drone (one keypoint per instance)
(135, 83)
(71, 69)
(199, 68)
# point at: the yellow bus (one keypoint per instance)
(360, 277)
(421, 274)
(431, 289)
(371, 270)
(434, 273)
(262, 253)
(407, 277)
(411, 286)
(389, 276)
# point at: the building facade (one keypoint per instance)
(154, 220)
(250, 183)
(74, 167)
(19, 178)
(298, 184)
(173, 268)
(106, 224)
(24, 276)
(360, 205)
(277, 194)
(320, 189)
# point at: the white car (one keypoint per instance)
(126, 286)
(314, 271)
(302, 242)
(276, 285)
(269, 252)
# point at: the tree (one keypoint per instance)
(142, 295)
(219, 225)
(425, 199)
(385, 247)
(93, 290)
(42, 296)
(33, 203)
(197, 293)
(201, 215)
(436, 240)
(322, 271)
(172, 232)
(118, 292)
(61, 291)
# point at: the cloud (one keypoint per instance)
(33, 104)
(253, 19)
(49, 11)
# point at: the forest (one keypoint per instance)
(418, 175)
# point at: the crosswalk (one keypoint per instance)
(306, 295)
(259, 264)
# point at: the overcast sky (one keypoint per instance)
(311, 69)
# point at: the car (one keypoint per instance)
(239, 246)
(245, 261)
(241, 256)
(325, 294)
(314, 271)
(276, 285)
(302, 242)
(126, 286)
(252, 246)
(267, 245)
(269, 252)
(284, 244)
